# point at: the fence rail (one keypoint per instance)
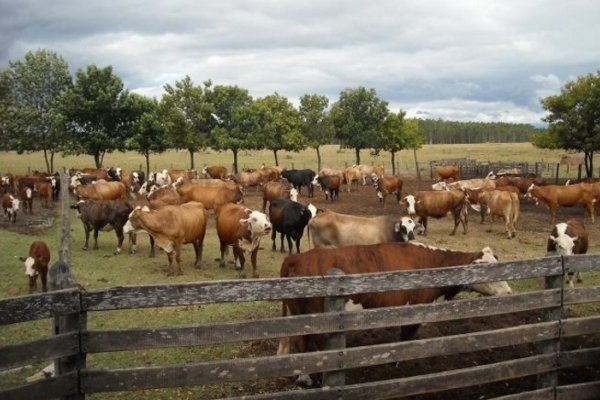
(546, 333)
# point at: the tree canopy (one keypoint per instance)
(316, 124)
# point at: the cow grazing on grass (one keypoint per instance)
(330, 184)
(106, 215)
(386, 185)
(446, 173)
(383, 257)
(568, 238)
(36, 263)
(215, 172)
(437, 204)
(241, 228)
(554, 196)
(278, 190)
(10, 204)
(331, 229)
(172, 227)
(212, 197)
(101, 191)
(299, 178)
(289, 218)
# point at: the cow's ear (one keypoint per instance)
(244, 222)
(552, 239)
(575, 239)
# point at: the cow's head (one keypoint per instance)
(29, 263)
(316, 181)
(132, 224)
(489, 288)
(440, 186)
(257, 223)
(406, 229)
(563, 242)
(410, 202)
(14, 204)
(312, 208)
(374, 179)
(491, 175)
(530, 194)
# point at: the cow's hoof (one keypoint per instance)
(84, 248)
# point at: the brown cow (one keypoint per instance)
(553, 196)
(446, 172)
(166, 195)
(352, 176)
(368, 170)
(383, 257)
(171, 227)
(567, 239)
(211, 196)
(101, 191)
(37, 264)
(330, 184)
(10, 204)
(45, 191)
(437, 204)
(215, 172)
(387, 185)
(331, 229)
(26, 195)
(247, 179)
(269, 174)
(278, 190)
(521, 183)
(186, 174)
(241, 228)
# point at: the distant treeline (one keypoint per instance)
(451, 132)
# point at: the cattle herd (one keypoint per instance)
(174, 206)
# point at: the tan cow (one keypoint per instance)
(505, 204)
(278, 190)
(211, 196)
(368, 170)
(352, 176)
(446, 173)
(215, 172)
(101, 191)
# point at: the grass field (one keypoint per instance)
(101, 269)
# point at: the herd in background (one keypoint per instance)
(173, 206)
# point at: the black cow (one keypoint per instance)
(299, 178)
(288, 218)
(330, 185)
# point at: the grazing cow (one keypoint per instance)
(368, 170)
(289, 218)
(10, 204)
(446, 173)
(387, 185)
(211, 196)
(425, 204)
(241, 228)
(101, 191)
(330, 184)
(553, 196)
(45, 191)
(466, 184)
(215, 172)
(278, 190)
(383, 257)
(331, 229)
(299, 178)
(26, 195)
(36, 263)
(171, 227)
(103, 215)
(352, 176)
(502, 203)
(567, 239)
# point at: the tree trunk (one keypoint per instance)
(276, 159)
(318, 158)
(417, 164)
(48, 169)
(393, 162)
(97, 160)
(191, 158)
(357, 151)
(235, 160)
(51, 171)
(589, 163)
(147, 157)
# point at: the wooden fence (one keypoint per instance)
(77, 380)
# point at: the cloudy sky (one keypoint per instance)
(461, 60)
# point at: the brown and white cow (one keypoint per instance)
(368, 170)
(215, 172)
(101, 191)
(277, 190)
(475, 183)
(437, 204)
(26, 196)
(211, 196)
(569, 238)
(166, 195)
(98, 173)
(36, 264)
(172, 227)
(554, 196)
(446, 173)
(11, 205)
(330, 184)
(331, 229)
(383, 257)
(241, 228)
(386, 185)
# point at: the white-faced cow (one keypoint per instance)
(11, 205)
(437, 204)
(277, 190)
(36, 264)
(569, 238)
(330, 184)
(386, 185)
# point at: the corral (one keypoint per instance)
(498, 342)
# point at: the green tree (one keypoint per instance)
(279, 125)
(574, 118)
(316, 123)
(235, 120)
(413, 139)
(188, 115)
(357, 117)
(98, 113)
(148, 131)
(31, 89)
(394, 135)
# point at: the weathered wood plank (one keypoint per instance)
(192, 335)
(124, 297)
(582, 295)
(37, 306)
(580, 326)
(582, 262)
(51, 388)
(550, 379)
(268, 367)
(38, 350)
(579, 391)
(540, 394)
(423, 384)
(579, 358)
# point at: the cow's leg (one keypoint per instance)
(273, 239)
(152, 248)
(281, 246)
(132, 242)
(120, 239)
(198, 248)
(223, 247)
(44, 278)
(32, 283)
(86, 229)
(170, 256)
(178, 271)
(253, 261)
(288, 236)
(96, 238)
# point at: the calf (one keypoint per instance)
(37, 264)
(26, 195)
(241, 228)
(437, 204)
(10, 204)
(299, 178)
(387, 185)
(288, 218)
(330, 184)
(567, 239)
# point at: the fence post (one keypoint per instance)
(550, 379)
(335, 341)
(61, 278)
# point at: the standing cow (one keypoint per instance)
(289, 218)
(425, 204)
(299, 178)
(36, 263)
(569, 238)
(10, 204)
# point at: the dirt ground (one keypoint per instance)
(533, 229)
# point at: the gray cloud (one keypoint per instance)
(465, 60)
